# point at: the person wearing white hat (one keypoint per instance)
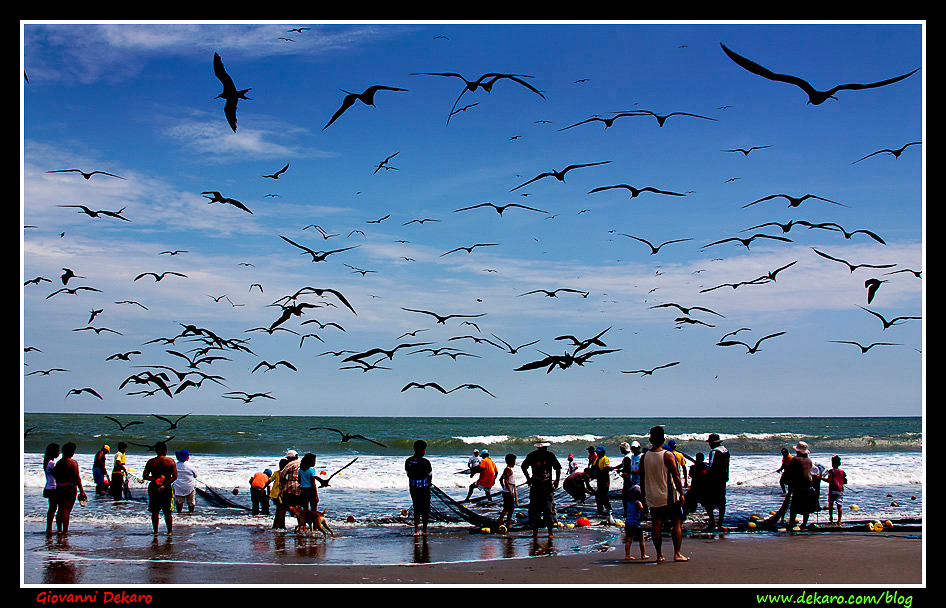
(289, 488)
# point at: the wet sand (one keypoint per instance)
(248, 556)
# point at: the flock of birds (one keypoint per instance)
(205, 346)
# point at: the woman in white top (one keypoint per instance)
(49, 490)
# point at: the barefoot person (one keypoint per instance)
(663, 492)
(419, 477)
(49, 490)
(161, 471)
(537, 468)
(68, 483)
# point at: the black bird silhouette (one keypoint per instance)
(158, 277)
(126, 425)
(150, 448)
(863, 348)
(289, 311)
(377, 350)
(323, 483)
(917, 273)
(229, 93)
(95, 214)
(583, 344)
(319, 292)
(470, 248)
(746, 151)
(500, 208)
(872, 286)
(653, 250)
(172, 425)
(686, 310)
(553, 294)
(72, 291)
(771, 274)
(472, 85)
(366, 98)
(219, 198)
(752, 349)
(649, 372)
(793, 201)
(347, 436)
(317, 256)
(384, 164)
(79, 391)
(270, 366)
(847, 235)
(512, 349)
(852, 267)
(246, 397)
(896, 153)
(94, 313)
(472, 386)
(442, 318)
(278, 173)
(418, 221)
(635, 192)
(815, 97)
(147, 377)
(559, 175)
(123, 356)
(748, 240)
(36, 281)
(607, 121)
(84, 174)
(410, 385)
(661, 119)
(46, 372)
(97, 330)
(69, 274)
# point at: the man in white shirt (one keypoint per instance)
(186, 482)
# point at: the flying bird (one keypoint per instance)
(126, 425)
(872, 286)
(815, 96)
(793, 201)
(123, 356)
(278, 173)
(852, 267)
(559, 175)
(751, 349)
(748, 240)
(472, 85)
(366, 98)
(470, 248)
(97, 330)
(847, 235)
(72, 291)
(607, 121)
(68, 274)
(46, 372)
(661, 119)
(649, 372)
(686, 310)
(410, 385)
(323, 483)
(172, 425)
(158, 277)
(84, 174)
(229, 93)
(653, 250)
(896, 153)
(317, 256)
(635, 192)
(500, 208)
(771, 274)
(247, 397)
(79, 391)
(270, 366)
(472, 386)
(552, 294)
(442, 318)
(95, 214)
(863, 348)
(347, 436)
(746, 151)
(384, 164)
(219, 198)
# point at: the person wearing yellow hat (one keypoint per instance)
(98, 470)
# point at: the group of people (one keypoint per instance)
(801, 481)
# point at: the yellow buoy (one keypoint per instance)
(751, 524)
(569, 525)
(771, 512)
(503, 529)
(487, 530)
(895, 504)
(403, 511)
(888, 523)
(854, 507)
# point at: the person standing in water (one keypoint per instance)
(420, 479)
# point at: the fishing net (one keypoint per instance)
(217, 499)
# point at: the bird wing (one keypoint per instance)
(537, 177)
(222, 76)
(346, 103)
(764, 72)
(857, 87)
(229, 110)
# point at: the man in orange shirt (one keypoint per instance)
(258, 492)
(488, 471)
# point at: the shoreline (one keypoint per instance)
(140, 559)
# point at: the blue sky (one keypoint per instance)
(137, 101)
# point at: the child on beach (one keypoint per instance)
(836, 479)
(633, 506)
(507, 483)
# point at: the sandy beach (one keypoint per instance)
(260, 557)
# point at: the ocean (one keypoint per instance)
(883, 457)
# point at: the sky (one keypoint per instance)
(137, 100)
